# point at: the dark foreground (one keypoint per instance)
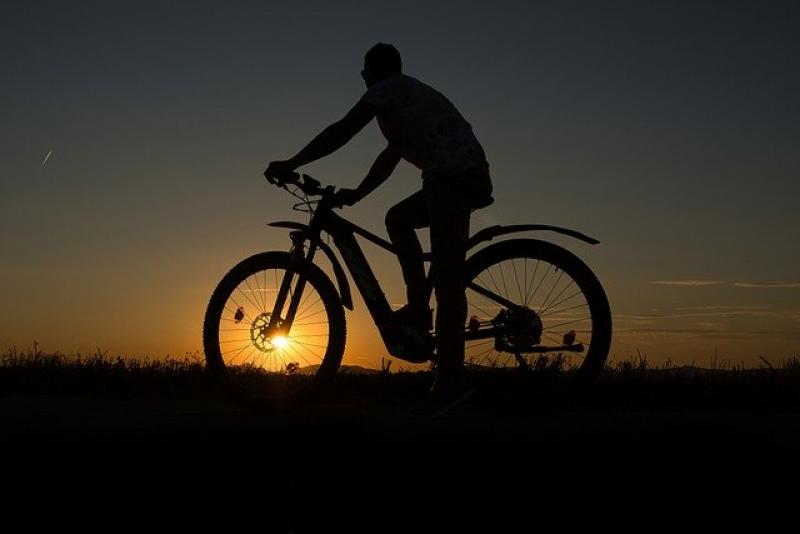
(642, 437)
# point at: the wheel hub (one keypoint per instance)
(518, 330)
(266, 338)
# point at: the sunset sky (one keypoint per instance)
(133, 136)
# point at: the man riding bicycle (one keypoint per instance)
(423, 127)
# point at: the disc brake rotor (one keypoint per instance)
(262, 335)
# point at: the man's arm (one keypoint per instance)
(328, 141)
(383, 167)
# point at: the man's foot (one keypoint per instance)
(447, 392)
(419, 318)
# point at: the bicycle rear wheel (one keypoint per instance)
(265, 359)
(548, 312)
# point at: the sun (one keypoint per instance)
(280, 342)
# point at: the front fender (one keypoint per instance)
(341, 278)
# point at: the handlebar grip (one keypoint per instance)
(306, 183)
(287, 178)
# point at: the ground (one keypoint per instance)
(638, 437)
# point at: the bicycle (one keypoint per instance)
(275, 328)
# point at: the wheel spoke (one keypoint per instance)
(503, 279)
(551, 291)
(491, 296)
(240, 351)
(308, 324)
(533, 281)
(551, 338)
(567, 322)
(265, 289)
(479, 309)
(315, 313)
(235, 340)
(564, 309)
(301, 356)
(489, 272)
(549, 266)
(516, 278)
(308, 308)
(554, 301)
(579, 292)
(248, 296)
(259, 295)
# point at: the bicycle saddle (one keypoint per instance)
(482, 203)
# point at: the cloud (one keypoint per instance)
(780, 284)
(771, 285)
(687, 283)
(706, 332)
(639, 318)
(722, 307)
(709, 325)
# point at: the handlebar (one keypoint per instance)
(309, 186)
(306, 183)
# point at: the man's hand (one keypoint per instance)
(347, 197)
(279, 170)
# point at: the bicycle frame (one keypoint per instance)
(343, 233)
(400, 341)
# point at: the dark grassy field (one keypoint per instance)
(641, 428)
(626, 386)
(52, 396)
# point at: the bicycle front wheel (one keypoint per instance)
(252, 344)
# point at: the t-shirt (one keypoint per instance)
(424, 126)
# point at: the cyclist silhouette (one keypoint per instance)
(423, 127)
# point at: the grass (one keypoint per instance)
(719, 387)
(39, 373)
(630, 384)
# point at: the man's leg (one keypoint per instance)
(401, 221)
(449, 235)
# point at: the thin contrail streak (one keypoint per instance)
(47, 157)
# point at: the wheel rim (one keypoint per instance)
(250, 340)
(551, 307)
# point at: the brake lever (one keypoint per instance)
(311, 182)
(330, 191)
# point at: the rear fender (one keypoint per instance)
(487, 234)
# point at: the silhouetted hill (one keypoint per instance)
(343, 369)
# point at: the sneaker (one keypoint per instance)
(421, 320)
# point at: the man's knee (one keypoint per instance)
(396, 220)
(408, 214)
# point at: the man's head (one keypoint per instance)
(381, 61)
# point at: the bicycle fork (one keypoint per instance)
(277, 322)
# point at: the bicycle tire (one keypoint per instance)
(593, 362)
(267, 389)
